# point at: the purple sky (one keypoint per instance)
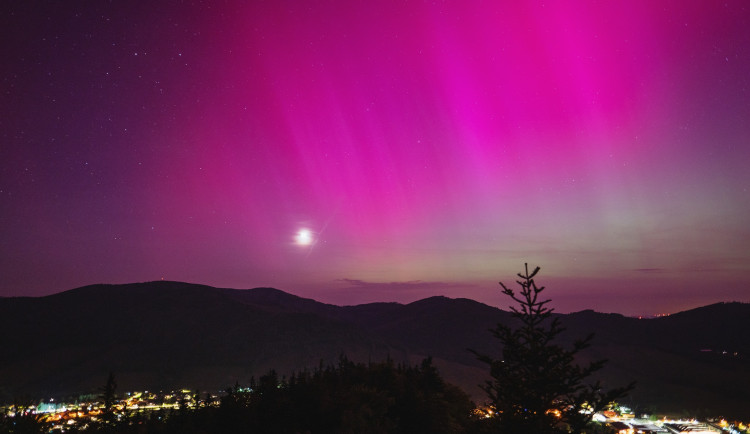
(429, 148)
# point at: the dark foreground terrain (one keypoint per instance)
(165, 335)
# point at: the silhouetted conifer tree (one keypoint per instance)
(537, 386)
(109, 397)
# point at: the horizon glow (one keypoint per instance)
(427, 148)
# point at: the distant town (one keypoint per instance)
(89, 411)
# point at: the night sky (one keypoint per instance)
(358, 151)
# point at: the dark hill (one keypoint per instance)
(164, 334)
(170, 334)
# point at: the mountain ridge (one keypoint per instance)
(166, 334)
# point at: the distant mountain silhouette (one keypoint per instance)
(161, 335)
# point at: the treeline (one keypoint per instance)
(348, 398)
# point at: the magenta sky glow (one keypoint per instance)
(429, 148)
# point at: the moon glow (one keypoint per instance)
(304, 237)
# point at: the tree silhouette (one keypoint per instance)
(109, 396)
(537, 386)
(348, 398)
